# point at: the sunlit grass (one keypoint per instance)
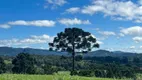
(57, 76)
(139, 76)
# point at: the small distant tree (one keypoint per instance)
(136, 60)
(23, 63)
(125, 60)
(78, 57)
(48, 69)
(74, 40)
(2, 66)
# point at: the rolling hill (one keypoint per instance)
(9, 51)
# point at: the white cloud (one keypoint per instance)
(121, 35)
(38, 23)
(134, 31)
(137, 39)
(107, 33)
(73, 10)
(54, 3)
(104, 34)
(44, 48)
(140, 47)
(24, 42)
(57, 2)
(25, 47)
(5, 26)
(100, 42)
(121, 10)
(132, 47)
(109, 49)
(74, 21)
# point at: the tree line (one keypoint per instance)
(109, 67)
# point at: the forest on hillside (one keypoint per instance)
(107, 67)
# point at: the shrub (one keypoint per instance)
(2, 66)
(128, 73)
(39, 70)
(100, 73)
(87, 73)
(74, 73)
(50, 69)
(23, 63)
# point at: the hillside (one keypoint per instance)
(9, 51)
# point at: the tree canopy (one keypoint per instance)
(23, 63)
(74, 40)
(2, 66)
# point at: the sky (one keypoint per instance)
(117, 24)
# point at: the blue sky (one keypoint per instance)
(117, 24)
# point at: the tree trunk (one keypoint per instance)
(73, 61)
(73, 54)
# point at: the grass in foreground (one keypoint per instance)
(58, 76)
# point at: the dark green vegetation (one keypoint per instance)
(23, 63)
(111, 67)
(2, 66)
(73, 40)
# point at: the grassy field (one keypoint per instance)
(57, 76)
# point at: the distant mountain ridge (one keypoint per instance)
(9, 51)
(102, 53)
